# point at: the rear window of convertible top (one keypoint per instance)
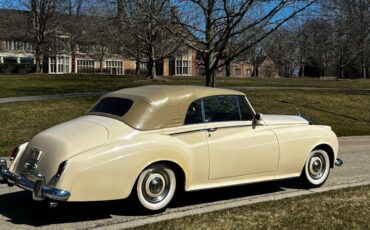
(113, 105)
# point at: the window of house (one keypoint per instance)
(194, 113)
(115, 67)
(52, 65)
(221, 108)
(19, 46)
(10, 60)
(59, 64)
(249, 72)
(27, 60)
(9, 45)
(183, 64)
(143, 66)
(238, 72)
(268, 71)
(85, 66)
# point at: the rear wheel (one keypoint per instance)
(155, 187)
(317, 168)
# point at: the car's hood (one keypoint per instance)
(283, 120)
(65, 140)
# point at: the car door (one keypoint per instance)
(236, 146)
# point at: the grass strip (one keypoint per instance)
(339, 209)
(29, 85)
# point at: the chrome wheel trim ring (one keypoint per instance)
(317, 167)
(156, 186)
(166, 195)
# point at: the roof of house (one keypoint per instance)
(14, 24)
(162, 106)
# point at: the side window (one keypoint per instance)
(245, 110)
(221, 108)
(194, 113)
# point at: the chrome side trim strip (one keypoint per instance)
(210, 129)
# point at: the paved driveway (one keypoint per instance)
(18, 211)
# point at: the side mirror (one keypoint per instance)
(258, 117)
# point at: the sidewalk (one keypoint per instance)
(47, 97)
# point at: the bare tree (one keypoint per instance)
(350, 33)
(145, 21)
(210, 26)
(73, 25)
(42, 15)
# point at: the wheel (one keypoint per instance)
(155, 187)
(317, 168)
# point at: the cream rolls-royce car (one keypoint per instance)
(149, 141)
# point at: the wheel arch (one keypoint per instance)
(326, 147)
(175, 166)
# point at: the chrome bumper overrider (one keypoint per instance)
(38, 187)
(338, 162)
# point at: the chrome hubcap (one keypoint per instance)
(317, 166)
(156, 186)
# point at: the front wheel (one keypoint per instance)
(317, 168)
(155, 187)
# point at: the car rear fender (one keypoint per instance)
(109, 172)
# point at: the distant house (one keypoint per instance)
(241, 69)
(267, 68)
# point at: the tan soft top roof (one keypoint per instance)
(163, 106)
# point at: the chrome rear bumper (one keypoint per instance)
(38, 187)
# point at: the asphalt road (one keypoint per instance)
(18, 211)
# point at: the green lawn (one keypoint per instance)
(346, 112)
(27, 85)
(340, 209)
(22, 120)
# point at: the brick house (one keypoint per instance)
(87, 55)
(267, 68)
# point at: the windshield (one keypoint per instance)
(113, 106)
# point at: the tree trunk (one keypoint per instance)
(228, 69)
(153, 71)
(38, 63)
(210, 79)
(364, 72)
(73, 54)
(303, 69)
(255, 69)
(341, 72)
(101, 65)
(137, 69)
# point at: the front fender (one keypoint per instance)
(109, 172)
(297, 142)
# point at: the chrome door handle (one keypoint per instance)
(211, 130)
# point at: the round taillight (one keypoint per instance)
(61, 168)
(14, 153)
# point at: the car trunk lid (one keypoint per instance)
(49, 148)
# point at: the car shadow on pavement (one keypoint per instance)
(19, 207)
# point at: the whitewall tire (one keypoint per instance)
(317, 168)
(155, 187)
